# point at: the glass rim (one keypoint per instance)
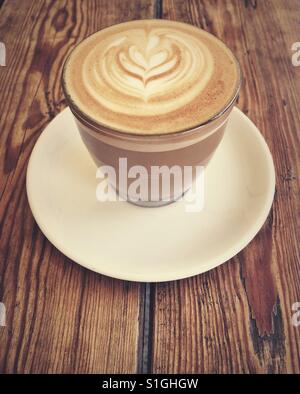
(105, 128)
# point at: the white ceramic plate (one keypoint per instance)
(128, 242)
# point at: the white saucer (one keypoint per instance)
(128, 242)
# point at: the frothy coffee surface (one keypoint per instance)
(151, 76)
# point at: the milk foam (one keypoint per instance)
(151, 76)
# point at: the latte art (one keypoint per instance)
(138, 76)
(143, 66)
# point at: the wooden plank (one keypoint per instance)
(60, 317)
(237, 318)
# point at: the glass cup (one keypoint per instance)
(169, 151)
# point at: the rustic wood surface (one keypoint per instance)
(63, 318)
(60, 317)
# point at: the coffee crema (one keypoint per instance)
(151, 77)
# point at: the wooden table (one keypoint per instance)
(64, 318)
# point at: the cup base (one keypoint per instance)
(152, 204)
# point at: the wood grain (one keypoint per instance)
(237, 318)
(63, 318)
(60, 317)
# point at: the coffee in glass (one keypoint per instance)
(155, 92)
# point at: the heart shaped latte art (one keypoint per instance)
(145, 72)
